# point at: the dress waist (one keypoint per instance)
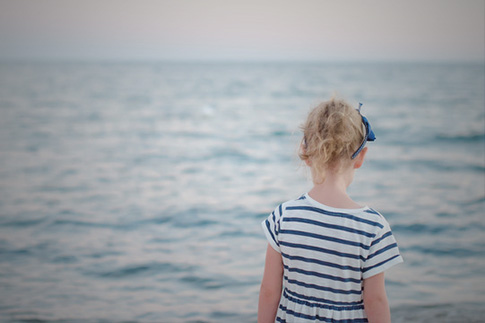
(311, 301)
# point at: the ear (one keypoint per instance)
(308, 162)
(359, 160)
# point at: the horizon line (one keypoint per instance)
(82, 60)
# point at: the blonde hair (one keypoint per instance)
(332, 132)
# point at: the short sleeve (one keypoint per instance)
(383, 253)
(271, 228)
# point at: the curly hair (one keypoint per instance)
(332, 133)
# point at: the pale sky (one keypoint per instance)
(373, 30)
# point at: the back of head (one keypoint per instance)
(332, 133)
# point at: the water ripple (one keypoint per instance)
(144, 269)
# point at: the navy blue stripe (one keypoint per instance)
(278, 225)
(378, 252)
(337, 214)
(320, 318)
(372, 211)
(380, 264)
(324, 250)
(316, 274)
(320, 262)
(325, 306)
(331, 226)
(322, 237)
(323, 300)
(271, 233)
(324, 288)
(385, 235)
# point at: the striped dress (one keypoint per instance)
(327, 252)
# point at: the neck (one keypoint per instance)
(333, 190)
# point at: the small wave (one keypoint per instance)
(448, 251)
(147, 269)
(445, 214)
(193, 223)
(224, 315)
(65, 259)
(232, 153)
(122, 226)
(467, 312)
(475, 201)
(441, 165)
(202, 283)
(77, 223)
(8, 253)
(183, 219)
(23, 223)
(104, 254)
(436, 229)
(280, 133)
(233, 233)
(37, 250)
(461, 138)
(62, 189)
(419, 228)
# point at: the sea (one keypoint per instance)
(135, 191)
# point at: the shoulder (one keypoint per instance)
(301, 201)
(380, 225)
(370, 220)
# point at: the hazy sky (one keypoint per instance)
(243, 30)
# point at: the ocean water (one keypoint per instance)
(135, 191)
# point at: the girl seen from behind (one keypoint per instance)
(327, 254)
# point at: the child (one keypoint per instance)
(326, 255)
